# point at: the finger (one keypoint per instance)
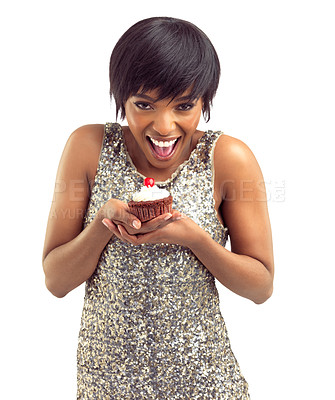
(119, 212)
(125, 217)
(176, 215)
(150, 237)
(156, 222)
(125, 235)
(135, 223)
(129, 220)
(164, 219)
(112, 227)
(121, 236)
(149, 225)
(109, 225)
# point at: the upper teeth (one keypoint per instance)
(163, 144)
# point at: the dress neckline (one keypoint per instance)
(200, 142)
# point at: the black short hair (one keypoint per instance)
(167, 54)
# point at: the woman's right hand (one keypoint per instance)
(115, 213)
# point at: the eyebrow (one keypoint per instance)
(146, 97)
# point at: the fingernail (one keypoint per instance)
(136, 224)
(167, 217)
(105, 223)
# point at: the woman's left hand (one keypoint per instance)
(181, 230)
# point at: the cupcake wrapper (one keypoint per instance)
(147, 210)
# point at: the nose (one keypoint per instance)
(164, 123)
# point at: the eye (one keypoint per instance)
(185, 106)
(142, 105)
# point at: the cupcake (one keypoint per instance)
(150, 202)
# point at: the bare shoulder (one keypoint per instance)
(84, 144)
(230, 149)
(87, 136)
(234, 162)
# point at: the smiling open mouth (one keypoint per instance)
(163, 149)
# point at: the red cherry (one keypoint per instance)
(149, 182)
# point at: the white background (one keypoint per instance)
(276, 94)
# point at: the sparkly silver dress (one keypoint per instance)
(151, 325)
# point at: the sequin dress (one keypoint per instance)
(151, 325)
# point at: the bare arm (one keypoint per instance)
(244, 210)
(242, 274)
(70, 254)
(72, 263)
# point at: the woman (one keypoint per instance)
(151, 325)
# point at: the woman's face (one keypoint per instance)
(163, 129)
